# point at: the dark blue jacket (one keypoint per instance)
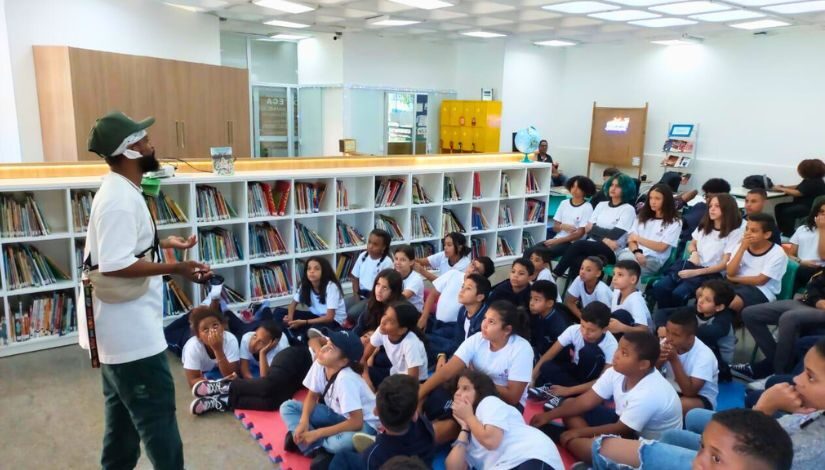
(504, 291)
(419, 441)
(475, 326)
(545, 331)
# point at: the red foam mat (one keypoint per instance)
(267, 428)
(535, 407)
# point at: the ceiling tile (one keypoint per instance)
(575, 22)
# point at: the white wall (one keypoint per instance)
(333, 119)
(320, 61)
(137, 27)
(9, 131)
(479, 65)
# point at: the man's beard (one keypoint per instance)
(149, 163)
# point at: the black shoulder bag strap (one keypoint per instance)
(330, 382)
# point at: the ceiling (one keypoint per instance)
(524, 20)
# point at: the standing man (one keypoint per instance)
(544, 157)
(121, 245)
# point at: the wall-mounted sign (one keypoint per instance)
(617, 124)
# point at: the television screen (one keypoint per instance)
(681, 130)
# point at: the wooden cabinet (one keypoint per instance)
(196, 106)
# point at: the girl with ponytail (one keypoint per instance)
(403, 342)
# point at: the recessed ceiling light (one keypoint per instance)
(284, 5)
(286, 24)
(673, 42)
(424, 4)
(732, 15)
(387, 21)
(191, 8)
(288, 37)
(483, 34)
(640, 3)
(760, 24)
(663, 22)
(759, 3)
(555, 43)
(792, 8)
(690, 8)
(580, 7)
(624, 15)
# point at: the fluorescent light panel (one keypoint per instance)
(555, 43)
(732, 15)
(690, 8)
(760, 24)
(663, 22)
(286, 24)
(624, 15)
(289, 37)
(284, 5)
(424, 4)
(191, 8)
(483, 34)
(793, 8)
(390, 22)
(581, 7)
(673, 42)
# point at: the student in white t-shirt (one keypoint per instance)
(708, 252)
(628, 306)
(757, 265)
(369, 263)
(210, 346)
(571, 217)
(443, 299)
(493, 434)
(646, 404)
(259, 347)
(587, 287)
(655, 231)
(455, 256)
(500, 350)
(688, 363)
(542, 260)
(403, 343)
(805, 245)
(348, 403)
(322, 294)
(404, 259)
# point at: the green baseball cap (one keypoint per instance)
(111, 130)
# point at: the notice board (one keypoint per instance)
(617, 137)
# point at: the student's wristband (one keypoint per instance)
(440, 355)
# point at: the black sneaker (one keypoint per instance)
(204, 405)
(743, 371)
(290, 445)
(553, 402)
(321, 460)
(208, 388)
(540, 393)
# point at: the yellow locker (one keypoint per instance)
(493, 114)
(456, 110)
(445, 113)
(446, 135)
(477, 115)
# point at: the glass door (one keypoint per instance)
(275, 116)
(406, 123)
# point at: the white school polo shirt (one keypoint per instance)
(568, 214)
(441, 263)
(772, 263)
(808, 242)
(366, 269)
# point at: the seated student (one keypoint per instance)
(387, 288)
(558, 374)
(755, 201)
(708, 253)
(493, 433)
(456, 255)
(473, 300)
(500, 350)
(321, 292)
(654, 233)
(367, 266)
(688, 363)
(587, 287)
(444, 298)
(405, 431)
(694, 214)
(259, 347)
(338, 403)
(570, 218)
(547, 319)
(515, 289)
(404, 259)
(542, 262)
(607, 228)
(805, 245)
(628, 307)
(210, 347)
(672, 179)
(812, 171)
(733, 439)
(403, 343)
(646, 404)
(757, 265)
(601, 195)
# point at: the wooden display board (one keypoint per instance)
(617, 136)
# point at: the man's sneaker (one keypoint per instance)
(206, 404)
(742, 371)
(757, 385)
(553, 402)
(290, 445)
(210, 388)
(361, 441)
(540, 393)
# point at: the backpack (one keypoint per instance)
(757, 182)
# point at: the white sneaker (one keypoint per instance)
(757, 384)
(361, 441)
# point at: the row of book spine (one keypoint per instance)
(219, 245)
(476, 185)
(348, 235)
(421, 227)
(451, 192)
(265, 199)
(344, 265)
(171, 255)
(479, 247)
(212, 205)
(165, 210)
(532, 183)
(81, 208)
(503, 248)
(270, 280)
(47, 315)
(388, 192)
(534, 211)
(505, 185)
(308, 197)
(265, 240)
(175, 300)
(341, 196)
(228, 294)
(527, 240)
(505, 216)
(21, 218)
(479, 221)
(307, 239)
(450, 223)
(423, 249)
(26, 266)
(419, 195)
(391, 225)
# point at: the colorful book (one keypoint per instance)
(20, 216)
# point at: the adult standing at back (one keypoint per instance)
(120, 253)
(812, 186)
(542, 156)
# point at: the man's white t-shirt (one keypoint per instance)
(773, 263)
(710, 247)
(415, 283)
(808, 242)
(650, 408)
(348, 393)
(602, 293)
(283, 343)
(520, 442)
(657, 231)
(634, 304)
(573, 335)
(568, 214)
(441, 263)
(512, 362)
(120, 227)
(409, 352)
(333, 298)
(448, 285)
(701, 363)
(195, 357)
(366, 269)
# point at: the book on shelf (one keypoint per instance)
(280, 196)
(388, 191)
(505, 185)
(21, 216)
(503, 248)
(169, 255)
(308, 197)
(451, 190)
(344, 265)
(228, 294)
(307, 239)
(26, 266)
(678, 146)
(212, 206)
(505, 216)
(527, 240)
(81, 208)
(390, 225)
(265, 199)
(265, 240)
(218, 245)
(341, 196)
(450, 223)
(476, 185)
(479, 220)
(175, 300)
(421, 227)
(269, 280)
(42, 315)
(79, 246)
(479, 247)
(534, 211)
(419, 195)
(348, 235)
(532, 183)
(423, 249)
(164, 209)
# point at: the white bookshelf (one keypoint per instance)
(54, 195)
